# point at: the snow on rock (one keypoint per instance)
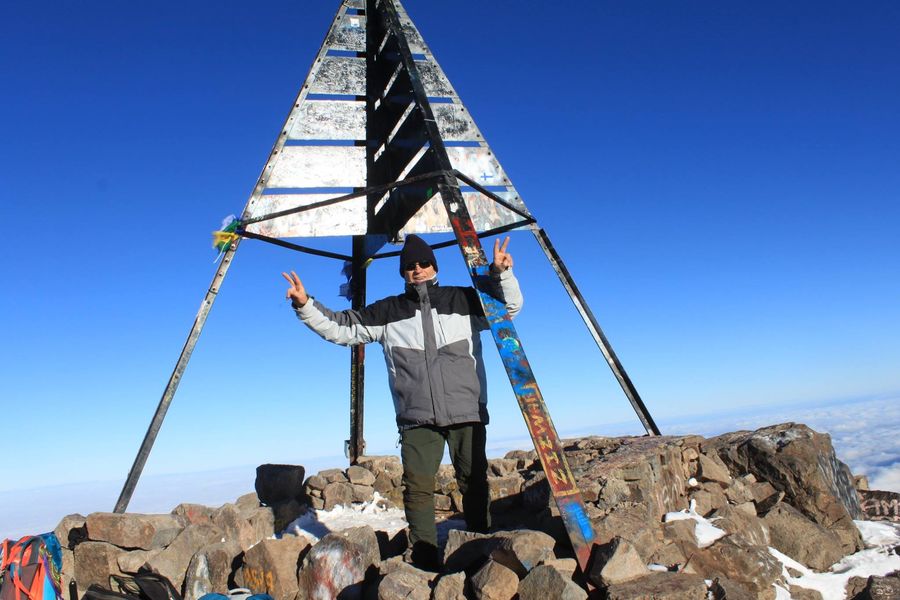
(317, 523)
(705, 532)
(875, 559)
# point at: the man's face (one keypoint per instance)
(418, 273)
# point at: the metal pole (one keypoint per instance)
(357, 443)
(150, 437)
(594, 327)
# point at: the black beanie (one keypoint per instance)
(416, 249)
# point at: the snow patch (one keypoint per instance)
(704, 531)
(316, 524)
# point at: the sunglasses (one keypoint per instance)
(411, 266)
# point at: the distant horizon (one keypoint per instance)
(864, 446)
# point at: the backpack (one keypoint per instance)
(30, 568)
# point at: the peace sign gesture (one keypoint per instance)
(502, 259)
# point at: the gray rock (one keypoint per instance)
(364, 537)
(524, 550)
(94, 563)
(362, 493)
(660, 586)
(133, 530)
(71, 531)
(801, 463)
(802, 539)
(615, 562)
(173, 561)
(493, 581)
(545, 583)
(337, 493)
(334, 566)
(211, 569)
(279, 483)
(451, 587)
(270, 567)
(405, 584)
(248, 504)
(67, 572)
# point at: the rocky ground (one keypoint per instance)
(780, 487)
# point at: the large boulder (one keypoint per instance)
(127, 530)
(246, 525)
(173, 561)
(750, 566)
(615, 562)
(493, 581)
(279, 483)
(802, 539)
(660, 586)
(94, 563)
(211, 569)
(544, 582)
(270, 567)
(334, 567)
(524, 550)
(801, 463)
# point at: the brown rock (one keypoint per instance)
(445, 480)
(333, 475)
(660, 586)
(360, 476)
(499, 467)
(405, 583)
(246, 530)
(94, 563)
(524, 550)
(451, 587)
(67, 573)
(365, 538)
(336, 494)
(738, 493)
(134, 561)
(801, 593)
(362, 493)
(566, 566)
(468, 550)
(881, 588)
(332, 567)
(493, 581)
(752, 530)
(211, 569)
(248, 504)
(442, 503)
(803, 540)
(193, 514)
(173, 561)
(71, 531)
(615, 562)
(725, 589)
(504, 487)
(801, 463)
(545, 582)
(316, 482)
(133, 530)
(708, 500)
(270, 567)
(630, 523)
(387, 465)
(750, 566)
(670, 556)
(711, 468)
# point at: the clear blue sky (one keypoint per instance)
(721, 178)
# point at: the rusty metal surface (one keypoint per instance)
(346, 218)
(340, 75)
(319, 166)
(330, 120)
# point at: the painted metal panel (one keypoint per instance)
(455, 124)
(479, 164)
(344, 218)
(486, 213)
(348, 33)
(436, 83)
(340, 75)
(330, 120)
(319, 166)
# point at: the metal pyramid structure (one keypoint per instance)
(356, 124)
(378, 145)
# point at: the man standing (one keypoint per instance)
(432, 347)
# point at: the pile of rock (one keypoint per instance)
(780, 486)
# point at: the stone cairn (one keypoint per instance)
(780, 486)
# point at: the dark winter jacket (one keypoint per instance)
(432, 346)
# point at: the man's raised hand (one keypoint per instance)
(502, 259)
(296, 293)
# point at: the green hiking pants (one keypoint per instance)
(421, 451)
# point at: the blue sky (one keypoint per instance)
(720, 178)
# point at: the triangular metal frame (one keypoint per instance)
(418, 148)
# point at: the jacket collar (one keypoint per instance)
(417, 291)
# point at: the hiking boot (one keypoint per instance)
(423, 555)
